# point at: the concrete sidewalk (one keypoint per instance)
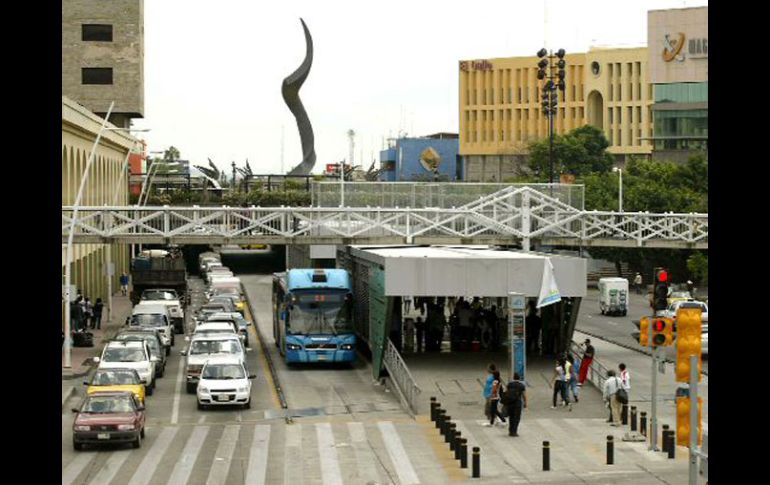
(80, 356)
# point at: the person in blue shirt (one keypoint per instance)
(491, 369)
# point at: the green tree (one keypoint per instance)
(698, 264)
(579, 152)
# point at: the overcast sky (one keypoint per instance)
(213, 69)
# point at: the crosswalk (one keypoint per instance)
(341, 452)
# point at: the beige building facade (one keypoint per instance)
(103, 56)
(500, 111)
(105, 185)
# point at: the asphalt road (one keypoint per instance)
(618, 329)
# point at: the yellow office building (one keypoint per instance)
(500, 110)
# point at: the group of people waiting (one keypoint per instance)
(85, 315)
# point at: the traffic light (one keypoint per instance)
(644, 332)
(688, 340)
(660, 290)
(662, 332)
(683, 421)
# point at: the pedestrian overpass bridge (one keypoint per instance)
(512, 215)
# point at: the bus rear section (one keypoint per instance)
(313, 315)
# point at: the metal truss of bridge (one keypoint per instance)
(512, 215)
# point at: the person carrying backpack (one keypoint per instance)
(515, 399)
(494, 399)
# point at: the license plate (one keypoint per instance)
(321, 357)
(223, 398)
(103, 436)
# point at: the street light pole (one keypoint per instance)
(233, 165)
(620, 188)
(70, 238)
(550, 95)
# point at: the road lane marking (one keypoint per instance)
(149, 464)
(184, 465)
(110, 468)
(257, 468)
(330, 466)
(293, 471)
(224, 455)
(76, 466)
(365, 460)
(398, 456)
(177, 392)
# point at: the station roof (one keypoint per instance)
(471, 270)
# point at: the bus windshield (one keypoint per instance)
(321, 317)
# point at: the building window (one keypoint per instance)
(97, 75)
(97, 32)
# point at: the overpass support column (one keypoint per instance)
(525, 221)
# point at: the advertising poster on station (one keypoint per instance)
(517, 334)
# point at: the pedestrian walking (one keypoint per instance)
(533, 324)
(573, 377)
(611, 387)
(691, 288)
(515, 397)
(487, 393)
(407, 304)
(88, 309)
(124, 283)
(585, 363)
(638, 283)
(494, 399)
(560, 379)
(76, 314)
(625, 377)
(419, 327)
(98, 308)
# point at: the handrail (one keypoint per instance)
(408, 390)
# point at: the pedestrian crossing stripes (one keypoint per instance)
(340, 452)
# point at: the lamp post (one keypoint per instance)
(550, 96)
(620, 187)
(70, 237)
(233, 165)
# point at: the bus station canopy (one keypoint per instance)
(483, 271)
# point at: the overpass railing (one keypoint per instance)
(399, 373)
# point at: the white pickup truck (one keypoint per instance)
(169, 298)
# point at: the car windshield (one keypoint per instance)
(322, 317)
(108, 404)
(123, 354)
(114, 378)
(148, 320)
(214, 347)
(152, 342)
(223, 372)
(158, 295)
(209, 331)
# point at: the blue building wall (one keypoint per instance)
(406, 155)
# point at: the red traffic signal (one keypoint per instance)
(658, 325)
(662, 276)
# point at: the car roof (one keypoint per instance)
(119, 369)
(224, 315)
(125, 343)
(170, 290)
(208, 324)
(221, 336)
(224, 360)
(111, 393)
(147, 307)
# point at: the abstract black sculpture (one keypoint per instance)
(290, 91)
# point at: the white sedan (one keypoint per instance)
(224, 381)
(672, 309)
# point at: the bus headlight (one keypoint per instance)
(293, 347)
(346, 346)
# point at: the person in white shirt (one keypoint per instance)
(625, 377)
(611, 386)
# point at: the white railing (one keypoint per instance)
(510, 216)
(401, 377)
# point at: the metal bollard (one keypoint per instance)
(610, 450)
(439, 416)
(664, 441)
(433, 407)
(546, 456)
(643, 423)
(447, 422)
(633, 418)
(624, 414)
(457, 443)
(476, 472)
(463, 453)
(671, 444)
(452, 433)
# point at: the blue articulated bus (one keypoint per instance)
(313, 315)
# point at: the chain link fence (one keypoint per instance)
(429, 194)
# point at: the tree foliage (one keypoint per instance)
(579, 152)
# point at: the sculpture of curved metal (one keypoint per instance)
(290, 91)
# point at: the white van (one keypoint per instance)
(156, 315)
(613, 296)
